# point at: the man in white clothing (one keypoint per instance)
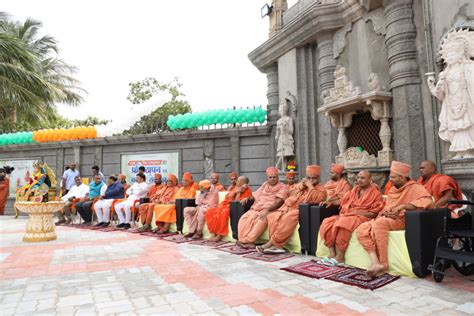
(78, 191)
(123, 209)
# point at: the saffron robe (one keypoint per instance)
(373, 235)
(337, 230)
(217, 218)
(283, 222)
(251, 226)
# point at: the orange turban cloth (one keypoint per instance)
(187, 176)
(215, 174)
(233, 175)
(313, 170)
(337, 168)
(400, 168)
(206, 184)
(122, 177)
(290, 174)
(272, 171)
(157, 176)
(172, 178)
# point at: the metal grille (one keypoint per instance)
(364, 132)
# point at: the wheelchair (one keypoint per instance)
(456, 246)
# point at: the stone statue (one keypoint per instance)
(284, 135)
(455, 89)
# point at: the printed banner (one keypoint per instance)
(21, 175)
(163, 163)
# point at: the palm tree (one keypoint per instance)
(32, 77)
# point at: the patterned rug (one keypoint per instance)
(134, 231)
(357, 277)
(314, 269)
(235, 249)
(179, 239)
(269, 257)
(206, 242)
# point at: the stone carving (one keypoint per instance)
(40, 226)
(354, 158)
(455, 89)
(339, 40)
(378, 177)
(343, 88)
(284, 135)
(373, 82)
(208, 167)
(378, 21)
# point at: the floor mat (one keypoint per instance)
(179, 239)
(269, 257)
(235, 249)
(357, 277)
(314, 269)
(209, 243)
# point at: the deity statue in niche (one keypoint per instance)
(284, 135)
(455, 89)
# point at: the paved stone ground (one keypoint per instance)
(87, 272)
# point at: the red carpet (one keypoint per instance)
(235, 249)
(313, 269)
(269, 257)
(357, 277)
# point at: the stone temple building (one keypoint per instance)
(354, 74)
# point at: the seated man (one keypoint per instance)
(283, 221)
(77, 191)
(405, 195)
(194, 216)
(233, 181)
(102, 206)
(358, 206)
(215, 182)
(123, 179)
(84, 206)
(441, 186)
(165, 215)
(96, 171)
(269, 197)
(291, 181)
(137, 191)
(337, 186)
(163, 196)
(217, 218)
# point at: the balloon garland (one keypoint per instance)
(229, 116)
(180, 121)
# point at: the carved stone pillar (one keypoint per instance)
(409, 140)
(327, 63)
(273, 103)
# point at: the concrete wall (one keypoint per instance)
(245, 150)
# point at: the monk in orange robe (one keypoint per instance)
(291, 181)
(123, 178)
(165, 215)
(283, 221)
(164, 195)
(388, 186)
(233, 176)
(215, 182)
(441, 186)
(217, 218)
(195, 216)
(337, 186)
(269, 197)
(405, 195)
(358, 206)
(4, 188)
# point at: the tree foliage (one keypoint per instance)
(32, 76)
(155, 122)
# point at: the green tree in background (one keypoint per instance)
(32, 77)
(155, 122)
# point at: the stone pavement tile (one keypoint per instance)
(466, 308)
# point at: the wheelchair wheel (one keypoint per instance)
(439, 266)
(465, 268)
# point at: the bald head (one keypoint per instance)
(242, 180)
(364, 179)
(427, 169)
